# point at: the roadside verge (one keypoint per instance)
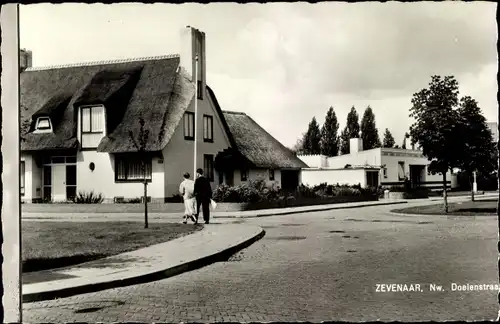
(214, 243)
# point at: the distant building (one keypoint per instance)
(379, 166)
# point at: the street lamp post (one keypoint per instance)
(195, 114)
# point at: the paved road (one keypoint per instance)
(316, 267)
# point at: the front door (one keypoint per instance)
(59, 182)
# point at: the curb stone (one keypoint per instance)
(315, 210)
(220, 256)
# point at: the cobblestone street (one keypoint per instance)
(316, 267)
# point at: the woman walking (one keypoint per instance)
(186, 189)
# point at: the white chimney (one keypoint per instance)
(193, 44)
(25, 59)
(355, 145)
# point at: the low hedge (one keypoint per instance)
(411, 193)
(260, 193)
(306, 201)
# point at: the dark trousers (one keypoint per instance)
(205, 205)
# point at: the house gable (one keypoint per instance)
(179, 152)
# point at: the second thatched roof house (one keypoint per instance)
(82, 125)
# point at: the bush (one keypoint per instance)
(134, 201)
(89, 198)
(260, 191)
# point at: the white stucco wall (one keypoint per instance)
(314, 177)
(102, 179)
(314, 161)
(391, 163)
(179, 153)
(369, 157)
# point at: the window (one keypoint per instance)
(43, 124)
(47, 181)
(401, 170)
(128, 168)
(200, 90)
(271, 175)
(92, 126)
(70, 182)
(244, 175)
(384, 172)
(189, 126)
(22, 180)
(208, 165)
(208, 128)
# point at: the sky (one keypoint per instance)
(285, 63)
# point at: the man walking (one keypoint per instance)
(186, 189)
(203, 194)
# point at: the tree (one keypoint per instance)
(140, 145)
(353, 123)
(351, 130)
(312, 139)
(407, 136)
(478, 152)
(388, 139)
(298, 148)
(329, 136)
(344, 141)
(369, 132)
(435, 126)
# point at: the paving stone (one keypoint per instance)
(315, 279)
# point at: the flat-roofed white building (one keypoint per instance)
(380, 166)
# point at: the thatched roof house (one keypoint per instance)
(258, 146)
(154, 89)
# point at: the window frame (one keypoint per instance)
(186, 114)
(128, 159)
(384, 172)
(22, 173)
(209, 170)
(210, 121)
(43, 129)
(271, 174)
(90, 121)
(82, 132)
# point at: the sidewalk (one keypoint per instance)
(213, 243)
(215, 214)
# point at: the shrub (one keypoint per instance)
(225, 193)
(260, 191)
(89, 198)
(306, 191)
(343, 191)
(134, 201)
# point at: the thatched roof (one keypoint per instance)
(258, 146)
(154, 89)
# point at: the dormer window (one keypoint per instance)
(43, 124)
(92, 126)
